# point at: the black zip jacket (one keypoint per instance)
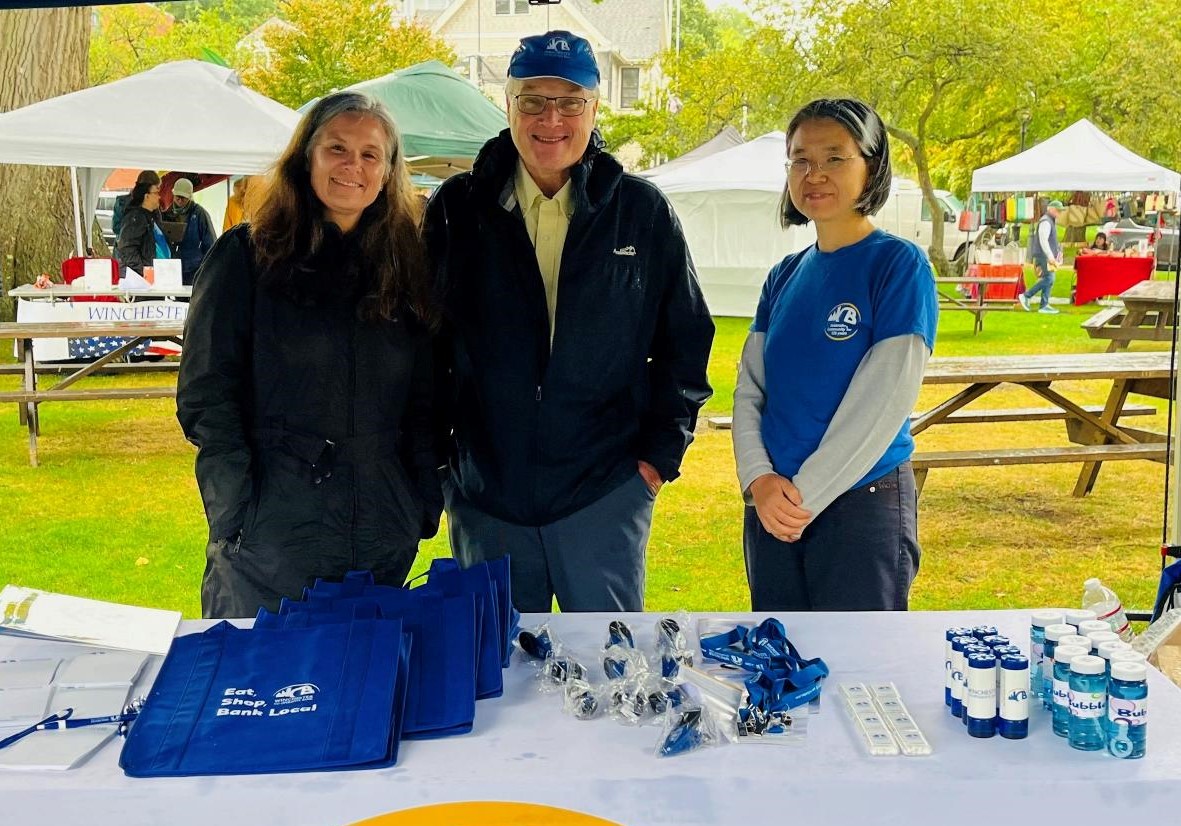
(313, 426)
(539, 433)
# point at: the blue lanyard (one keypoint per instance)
(781, 679)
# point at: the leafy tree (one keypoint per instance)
(938, 74)
(134, 38)
(331, 44)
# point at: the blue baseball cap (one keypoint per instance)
(557, 54)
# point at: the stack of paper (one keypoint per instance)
(29, 612)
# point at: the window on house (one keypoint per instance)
(629, 87)
(512, 6)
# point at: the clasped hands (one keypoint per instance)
(779, 506)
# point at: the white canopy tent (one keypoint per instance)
(1080, 157)
(727, 205)
(187, 115)
(728, 137)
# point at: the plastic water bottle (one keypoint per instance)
(1063, 654)
(1053, 633)
(980, 706)
(1013, 715)
(1088, 703)
(1107, 607)
(1127, 711)
(1038, 622)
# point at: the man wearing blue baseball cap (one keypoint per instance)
(575, 346)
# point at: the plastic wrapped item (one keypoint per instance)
(672, 646)
(687, 728)
(665, 698)
(628, 700)
(618, 633)
(558, 670)
(619, 662)
(536, 644)
(582, 700)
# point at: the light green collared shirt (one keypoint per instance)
(547, 221)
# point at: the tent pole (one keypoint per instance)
(1174, 530)
(81, 251)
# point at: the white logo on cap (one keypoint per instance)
(557, 44)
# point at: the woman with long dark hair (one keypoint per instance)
(306, 376)
(829, 375)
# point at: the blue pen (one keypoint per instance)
(65, 720)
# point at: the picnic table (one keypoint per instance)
(1097, 434)
(30, 395)
(982, 295)
(1148, 314)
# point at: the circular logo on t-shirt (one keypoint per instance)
(843, 321)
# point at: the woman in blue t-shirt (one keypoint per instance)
(829, 375)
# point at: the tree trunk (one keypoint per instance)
(45, 54)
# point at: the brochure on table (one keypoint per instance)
(42, 614)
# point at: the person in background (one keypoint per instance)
(141, 237)
(1098, 247)
(1046, 253)
(120, 206)
(235, 205)
(306, 378)
(829, 375)
(199, 234)
(577, 340)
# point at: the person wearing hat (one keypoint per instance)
(199, 234)
(575, 345)
(1046, 253)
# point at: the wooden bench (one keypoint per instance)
(106, 370)
(1011, 414)
(88, 394)
(923, 462)
(978, 305)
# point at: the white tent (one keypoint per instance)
(187, 116)
(1080, 157)
(728, 137)
(727, 203)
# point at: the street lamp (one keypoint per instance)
(1025, 118)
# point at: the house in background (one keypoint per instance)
(627, 36)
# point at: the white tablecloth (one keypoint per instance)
(524, 749)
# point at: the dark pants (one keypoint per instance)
(592, 560)
(860, 554)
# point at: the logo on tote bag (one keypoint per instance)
(843, 321)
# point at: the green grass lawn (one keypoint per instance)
(113, 511)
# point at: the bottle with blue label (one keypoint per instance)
(948, 636)
(1038, 622)
(1097, 638)
(1054, 632)
(1013, 714)
(1127, 710)
(1087, 626)
(1063, 654)
(1087, 730)
(980, 706)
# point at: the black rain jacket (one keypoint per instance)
(538, 433)
(313, 426)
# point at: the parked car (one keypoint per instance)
(1127, 233)
(104, 212)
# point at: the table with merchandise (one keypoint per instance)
(525, 748)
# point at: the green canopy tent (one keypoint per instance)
(444, 119)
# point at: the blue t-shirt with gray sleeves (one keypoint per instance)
(821, 312)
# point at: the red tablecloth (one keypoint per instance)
(1012, 277)
(1100, 275)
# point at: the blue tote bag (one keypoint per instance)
(441, 695)
(259, 701)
